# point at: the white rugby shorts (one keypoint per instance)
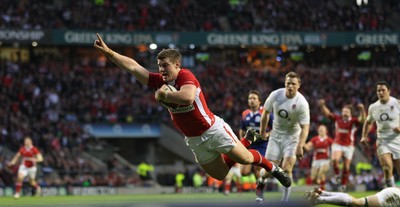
(347, 151)
(280, 146)
(320, 163)
(389, 146)
(219, 138)
(27, 171)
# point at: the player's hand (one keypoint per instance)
(299, 152)
(397, 129)
(364, 140)
(360, 106)
(264, 136)
(100, 45)
(321, 102)
(160, 93)
(10, 164)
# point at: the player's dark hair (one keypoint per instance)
(293, 75)
(172, 54)
(257, 93)
(383, 83)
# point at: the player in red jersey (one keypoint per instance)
(343, 145)
(212, 141)
(321, 145)
(30, 156)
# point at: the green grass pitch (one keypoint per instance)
(154, 200)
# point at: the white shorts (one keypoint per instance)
(27, 171)
(216, 140)
(389, 146)
(280, 146)
(320, 163)
(347, 151)
(389, 197)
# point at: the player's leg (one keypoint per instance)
(314, 173)
(32, 181)
(289, 144)
(216, 168)
(323, 170)
(336, 156)
(274, 154)
(396, 164)
(22, 173)
(348, 152)
(261, 147)
(18, 185)
(345, 174)
(246, 169)
(228, 181)
(242, 155)
(387, 167)
(287, 166)
(256, 171)
(237, 177)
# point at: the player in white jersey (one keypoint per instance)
(386, 114)
(388, 197)
(289, 129)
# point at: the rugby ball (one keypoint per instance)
(166, 104)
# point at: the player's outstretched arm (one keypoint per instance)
(325, 110)
(124, 62)
(15, 158)
(363, 113)
(308, 146)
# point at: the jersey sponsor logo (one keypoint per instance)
(340, 130)
(184, 109)
(283, 113)
(384, 117)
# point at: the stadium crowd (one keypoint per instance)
(105, 94)
(196, 15)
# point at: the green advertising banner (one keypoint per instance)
(85, 37)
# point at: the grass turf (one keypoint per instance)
(155, 200)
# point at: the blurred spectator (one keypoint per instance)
(188, 15)
(145, 171)
(179, 177)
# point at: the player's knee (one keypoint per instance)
(245, 160)
(387, 169)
